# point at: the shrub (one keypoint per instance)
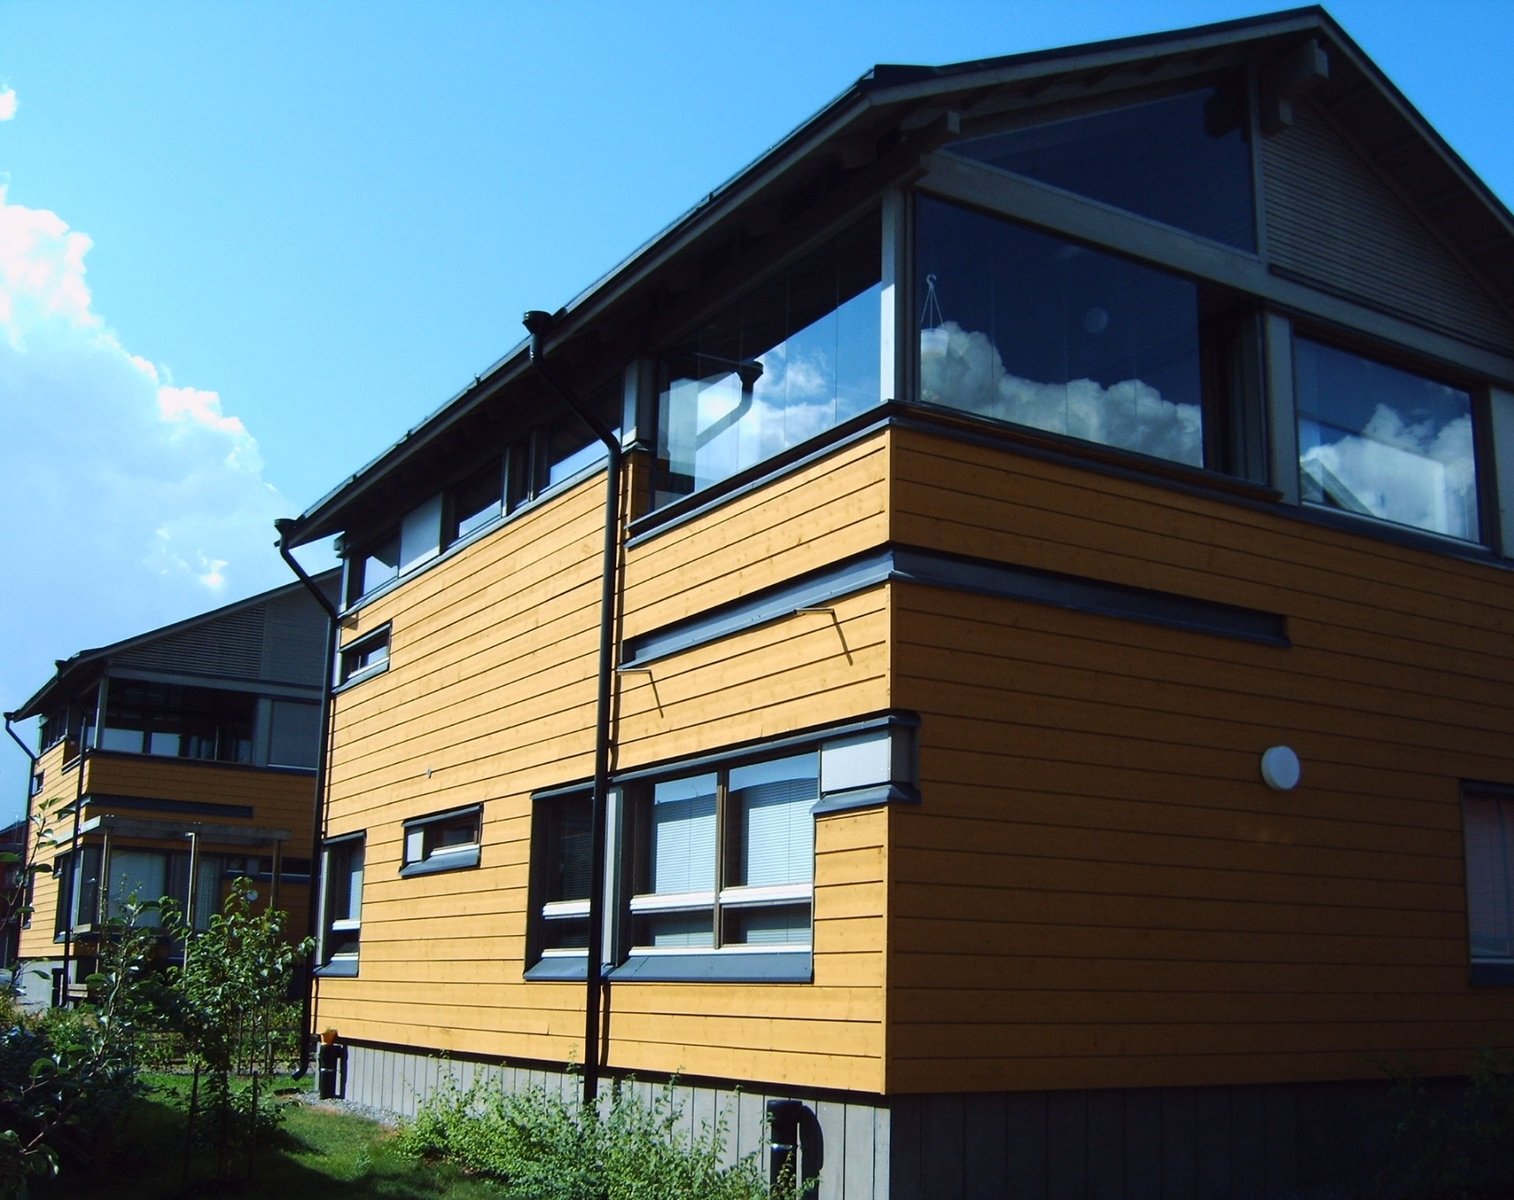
(542, 1146)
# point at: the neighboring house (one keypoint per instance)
(1060, 728)
(170, 764)
(12, 889)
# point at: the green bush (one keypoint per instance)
(542, 1146)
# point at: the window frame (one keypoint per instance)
(1490, 970)
(1403, 361)
(420, 853)
(867, 763)
(337, 865)
(350, 669)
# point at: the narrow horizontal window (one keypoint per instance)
(445, 842)
(367, 656)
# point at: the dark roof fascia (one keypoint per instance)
(892, 84)
(74, 670)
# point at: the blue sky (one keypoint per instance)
(244, 247)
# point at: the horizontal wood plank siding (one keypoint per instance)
(1097, 889)
(489, 695)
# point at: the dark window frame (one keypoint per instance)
(1405, 361)
(423, 851)
(345, 931)
(353, 665)
(1490, 970)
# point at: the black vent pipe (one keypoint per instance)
(538, 324)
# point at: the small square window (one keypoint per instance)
(368, 655)
(444, 842)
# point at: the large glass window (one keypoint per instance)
(1385, 442)
(726, 857)
(793, 359)
(178, 722)
(1038, 331)
(1183, 160)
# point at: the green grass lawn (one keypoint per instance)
(318, 1152)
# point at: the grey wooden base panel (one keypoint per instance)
(1257, 1142)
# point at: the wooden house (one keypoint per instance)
(170, 764)
(991, 633)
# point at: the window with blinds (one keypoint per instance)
(726, 857)
(1488, 821)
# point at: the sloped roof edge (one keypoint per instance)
(70, 670)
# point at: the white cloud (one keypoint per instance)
(132, 502)
(1413, 474)
(7, 104)
(964, 370)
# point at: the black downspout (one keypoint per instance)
(318, 820)
(26, 843)
(537, 323)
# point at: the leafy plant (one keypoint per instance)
(543, 1146)
(226, 999)
(65, 1077)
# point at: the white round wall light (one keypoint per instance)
(1280, 769)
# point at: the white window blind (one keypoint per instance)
(683, 835)
(771, 803)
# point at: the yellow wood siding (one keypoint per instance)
(489, 694)
(1098, 889)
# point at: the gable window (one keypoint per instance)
(1488, 826)
(341, 905)
(443, 842)
(1037, 331)
(1184, 160)
(726, 858)
(368, 655)
(793, 359)
(1385, 442)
